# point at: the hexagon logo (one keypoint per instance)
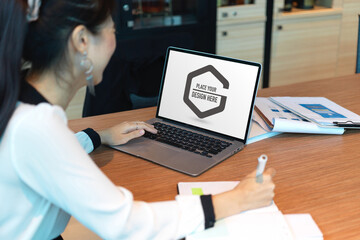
(202, 91)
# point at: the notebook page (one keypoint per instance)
(251, 226)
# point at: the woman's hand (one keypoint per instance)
(248, 194)
(124, 132)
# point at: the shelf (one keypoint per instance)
(305, 13)
(242, 13)
(259, 19)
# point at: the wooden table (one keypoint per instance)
(316, 174)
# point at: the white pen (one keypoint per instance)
(260, 168)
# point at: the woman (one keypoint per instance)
(45, 173)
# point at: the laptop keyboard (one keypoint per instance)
(190, 141)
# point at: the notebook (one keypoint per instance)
(204, 111)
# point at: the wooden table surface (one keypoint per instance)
(316, 174)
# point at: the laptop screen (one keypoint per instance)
(209, 92)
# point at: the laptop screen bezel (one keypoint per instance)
(217, 57)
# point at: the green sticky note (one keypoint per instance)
(197, 191)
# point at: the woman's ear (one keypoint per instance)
(80, 39)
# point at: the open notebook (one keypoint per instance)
(258, 224)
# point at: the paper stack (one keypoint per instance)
(280, 119)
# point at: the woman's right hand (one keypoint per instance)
(248, 194)
(124, 132)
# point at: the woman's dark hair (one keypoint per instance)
(47, 37)
(43, 42)
(12, 33)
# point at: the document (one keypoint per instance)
(259, 130)
(319, 110)
(280, 119)
(303, 227)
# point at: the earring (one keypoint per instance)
(87, 64)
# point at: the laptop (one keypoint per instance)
(204, 111)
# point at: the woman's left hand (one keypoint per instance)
(124, 132)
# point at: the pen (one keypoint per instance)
(260, 168)
(347, 124)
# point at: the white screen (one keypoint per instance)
(205, 91)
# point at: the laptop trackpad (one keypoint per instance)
(166, 155)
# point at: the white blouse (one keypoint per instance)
(46, 176)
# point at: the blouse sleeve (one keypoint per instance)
(89, 139)
(51, 161)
